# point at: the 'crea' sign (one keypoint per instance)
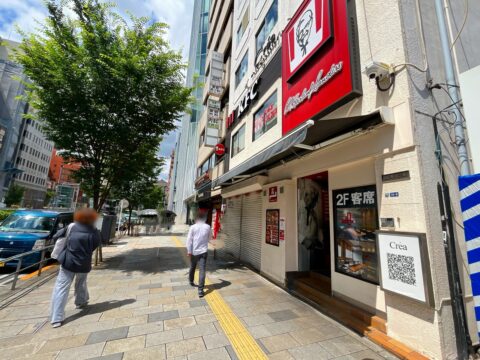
(320, 70)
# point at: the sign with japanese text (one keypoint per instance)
(282, 229)
(356, 222)
(273, 194)
(266, 117)
(273, 227)
(320, 70)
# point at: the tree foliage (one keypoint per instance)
(105, 90)
(14, 195)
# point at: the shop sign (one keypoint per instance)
(356, 222)
(250, 95)
(273, 227)
(264, 55)
(318, 72)
(273, 194)
(212, 131)
(219, 150)
(282, 229)
(265, 118)
(404, 267)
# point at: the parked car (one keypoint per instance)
(27, 230)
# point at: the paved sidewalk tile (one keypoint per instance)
(107, 335)
(142, 307)
(122, 345)
(166, 315)
(151, 353)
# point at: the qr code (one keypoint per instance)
(401, 268)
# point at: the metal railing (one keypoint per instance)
(20, 258)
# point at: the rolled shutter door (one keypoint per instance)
(229, 236)
(251, 228)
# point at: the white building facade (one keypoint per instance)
(329, 181)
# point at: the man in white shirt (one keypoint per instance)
(197, 249)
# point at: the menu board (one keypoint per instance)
(272, 235)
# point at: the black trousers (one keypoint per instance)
(201, 260)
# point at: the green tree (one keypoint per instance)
(153, 199)
(14, 195)
(105, 90)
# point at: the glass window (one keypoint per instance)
(242, 69)
(238, 141)
(356, 221)
(268, 24)
(243, 25)
(266, 117)
(27, 223)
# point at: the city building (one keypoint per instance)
(323, 153)
(33, 155)
(12, 111)
(60, 170)
(24, 151)
(182, 192)
(211, 162)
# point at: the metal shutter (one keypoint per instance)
(229, 235)
(251, 228)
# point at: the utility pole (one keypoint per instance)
(453, 90)
(463, 340)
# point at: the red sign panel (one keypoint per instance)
(317, 57)
(219, 149)
(273, 194)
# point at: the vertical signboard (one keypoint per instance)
(212, 130)
(320, 69)
(470, 204)
(272, 235)
(356, 222)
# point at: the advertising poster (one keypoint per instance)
(313, 224)
(266, 117)
(273, 227)
(356, 221)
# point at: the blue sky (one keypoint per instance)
(177, 13)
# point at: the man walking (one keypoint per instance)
(197, 249)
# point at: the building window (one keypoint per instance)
(266, 117)
(202, 138)
(238, 141)
(242, 69)
(267, 26)
(243, 25)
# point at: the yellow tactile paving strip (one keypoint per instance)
(242, 341)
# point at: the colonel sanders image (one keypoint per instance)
(310, 234)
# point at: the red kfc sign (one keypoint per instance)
(318, 50)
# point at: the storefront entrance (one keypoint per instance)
(313, 225)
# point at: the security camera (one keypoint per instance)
(377, 70)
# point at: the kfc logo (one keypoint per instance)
(309, 32)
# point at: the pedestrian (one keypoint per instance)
(75, 262)
(197, 249)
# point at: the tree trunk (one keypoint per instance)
(130, 209)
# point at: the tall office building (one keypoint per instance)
(24, 151)
(182, 192)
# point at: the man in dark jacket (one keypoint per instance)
(75, 262)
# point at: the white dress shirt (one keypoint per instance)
(198, 238)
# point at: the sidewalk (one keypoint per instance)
(143, 308)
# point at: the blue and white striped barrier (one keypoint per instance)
(470, 203)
